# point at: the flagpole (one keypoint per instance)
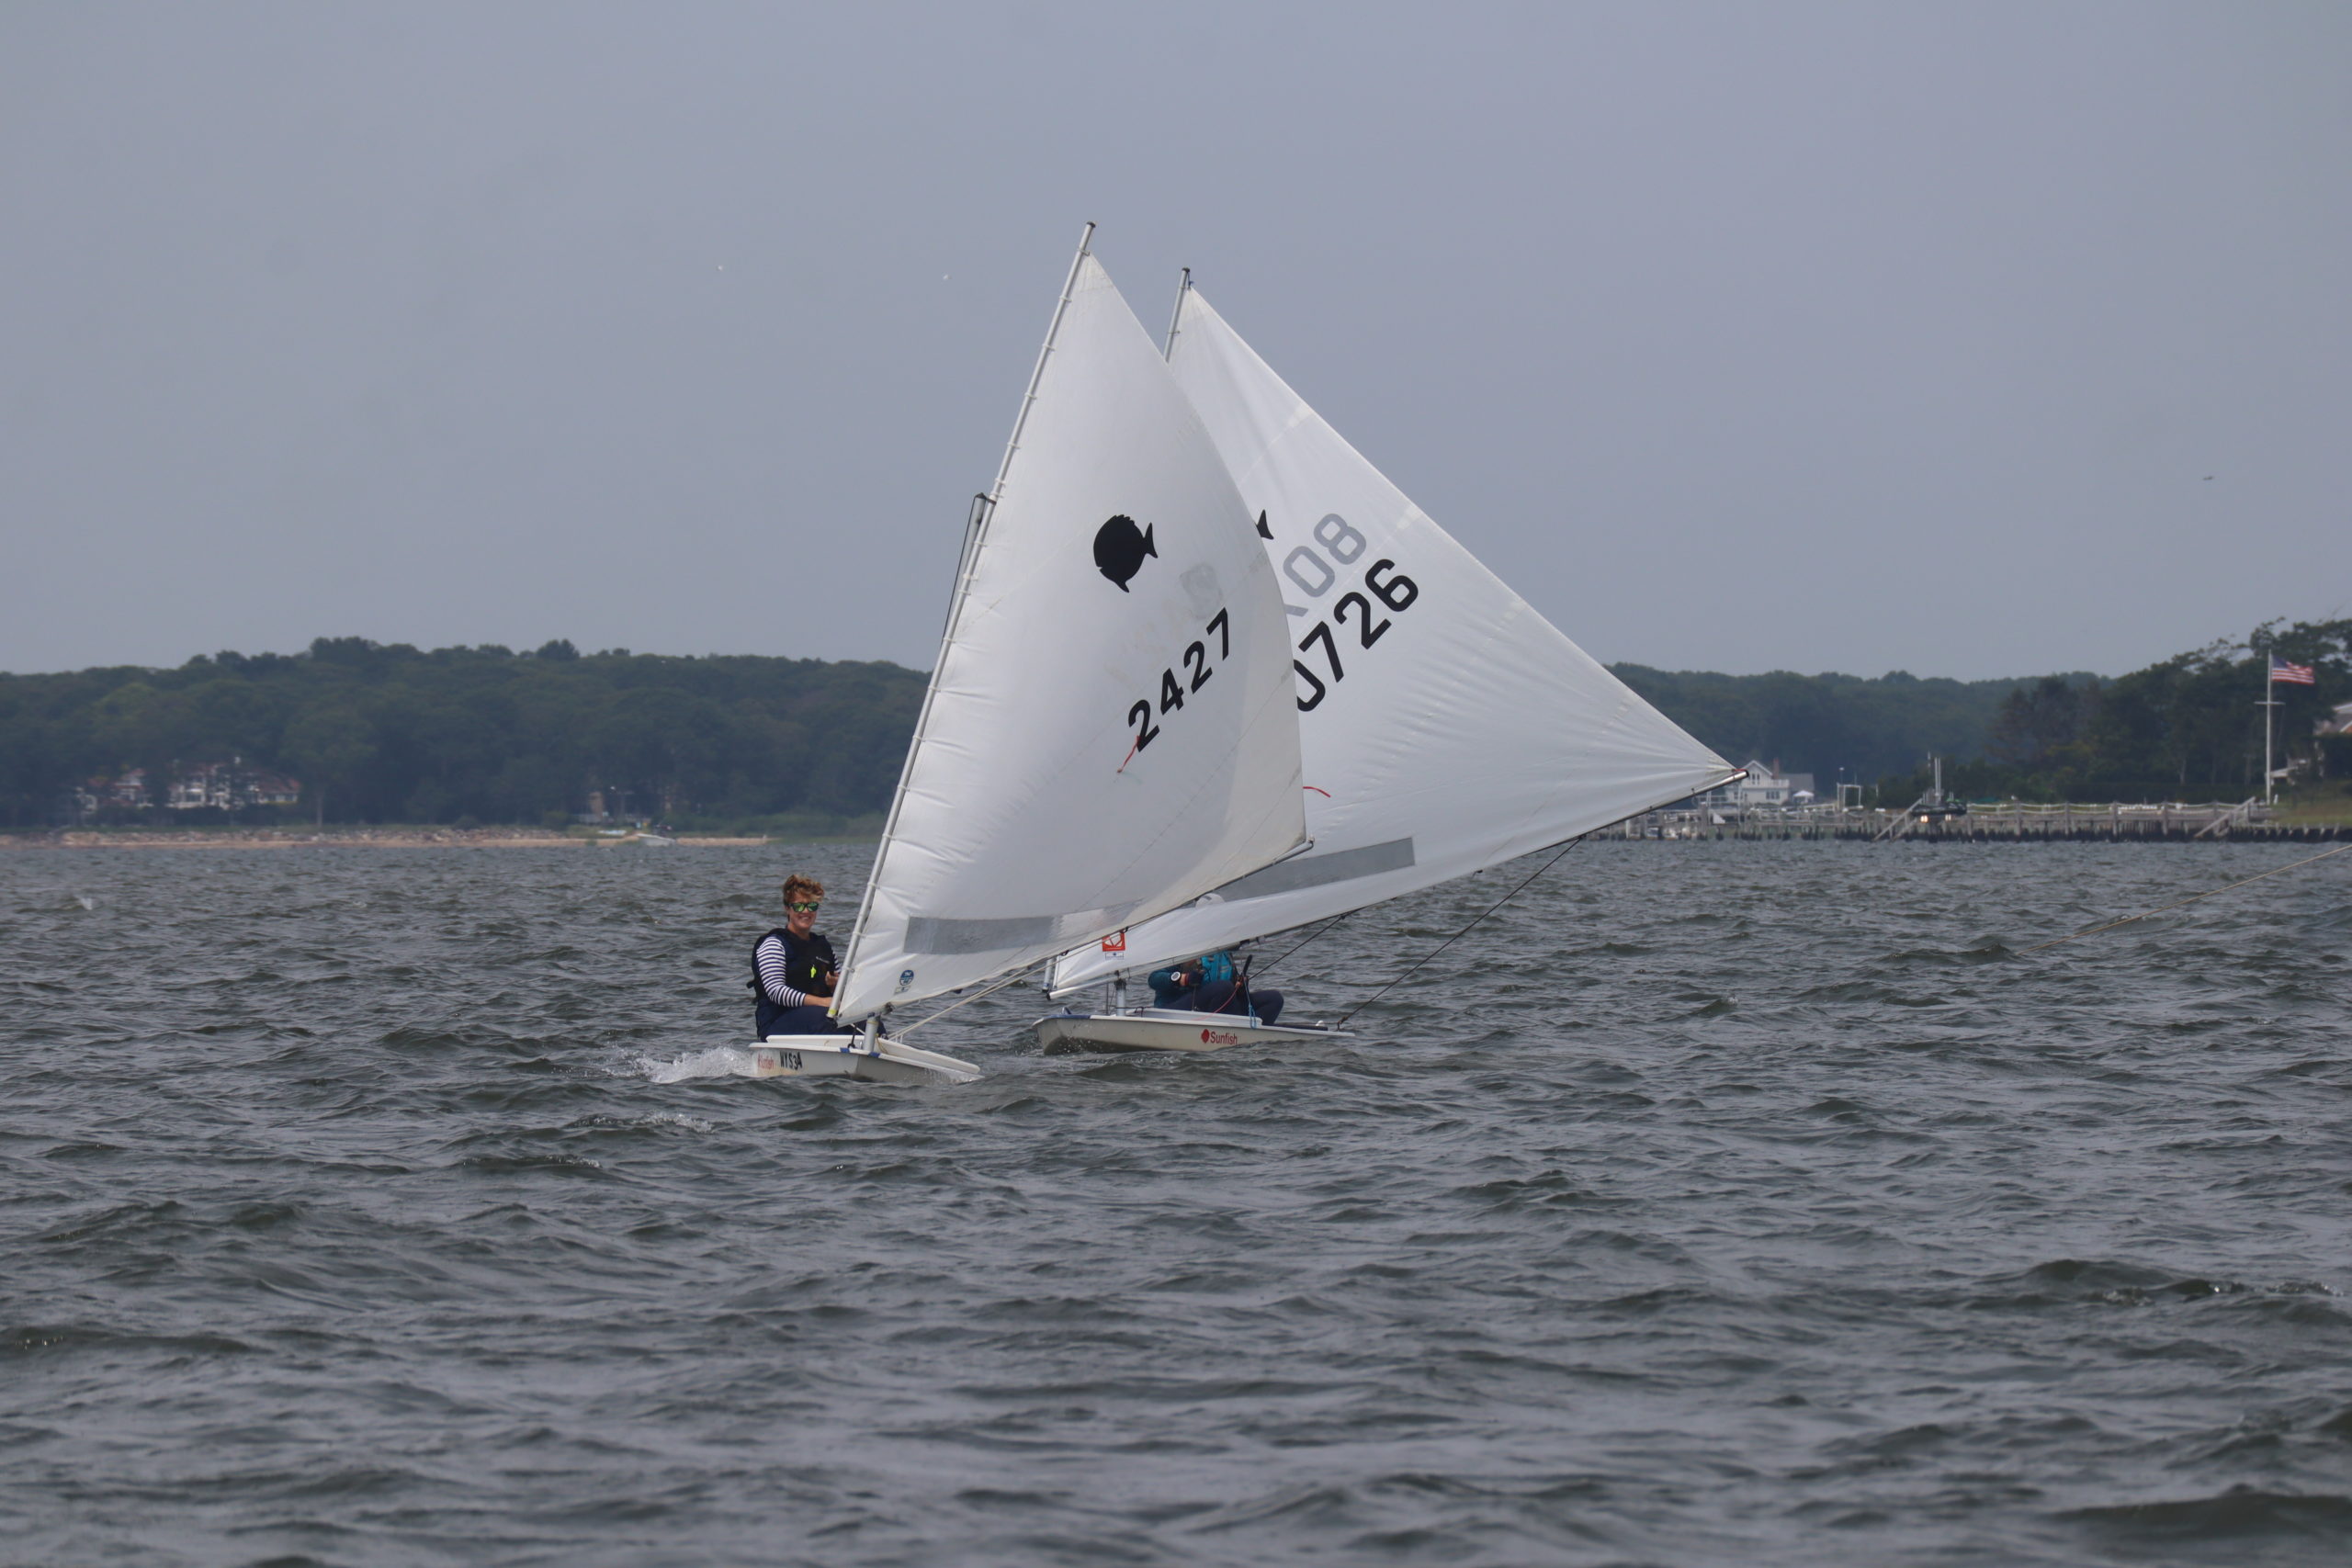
(2269, 709)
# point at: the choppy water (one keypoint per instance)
(1717, 1203)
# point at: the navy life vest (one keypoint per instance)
(806, 961)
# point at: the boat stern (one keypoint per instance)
(848, 1056)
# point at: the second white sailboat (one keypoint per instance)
(1445, 726)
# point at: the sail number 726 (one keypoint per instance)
(1388, 585)
(1187, 675)
(1312, 574)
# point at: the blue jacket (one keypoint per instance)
(1172, 988)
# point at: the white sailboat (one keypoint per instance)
(1109, 731)
(1446, 725)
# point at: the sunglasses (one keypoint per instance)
(802, 908)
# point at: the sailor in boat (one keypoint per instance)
(793, 967)
(1212, 983)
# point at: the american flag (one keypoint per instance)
(2284, 673)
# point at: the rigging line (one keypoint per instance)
(1240, 994)
(976, 996)
(1310, 937)
(2094, 930)
(1457, 936)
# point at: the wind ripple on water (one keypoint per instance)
(1733, 1202)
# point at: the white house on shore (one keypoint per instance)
(1760, 785)
(231, 786)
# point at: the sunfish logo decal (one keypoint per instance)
(1120, 547)
(906, 978)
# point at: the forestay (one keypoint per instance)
(1110, 729)
(1446, 725)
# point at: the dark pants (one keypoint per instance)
(1218, 997)
(807, 1019)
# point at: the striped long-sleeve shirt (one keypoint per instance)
(769, 959)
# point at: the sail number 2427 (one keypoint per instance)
(1197, 665)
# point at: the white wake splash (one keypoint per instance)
(718, 1062)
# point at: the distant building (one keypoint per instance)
(610, 804)
(1760, 786)
(231, 786)
(104, 795)
(275, 789)
(2337, 723)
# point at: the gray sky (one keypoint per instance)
(1736, 337)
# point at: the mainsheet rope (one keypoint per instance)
(1465, 931)
(2094, 930)
(1310, 936)
(1021, 974)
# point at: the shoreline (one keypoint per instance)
(352, 838)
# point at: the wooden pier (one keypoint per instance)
(2009, 821)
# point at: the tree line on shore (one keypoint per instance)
(389, 733)
(2187, 728)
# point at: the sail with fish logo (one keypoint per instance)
(1445, 725)
(1110, 731)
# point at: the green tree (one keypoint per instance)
(332, 749)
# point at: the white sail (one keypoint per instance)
(1110, 729)
(1446, 725)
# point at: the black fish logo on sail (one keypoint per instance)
(1120, 547)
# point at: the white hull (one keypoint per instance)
(846, 1056)
(1159, 1028)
